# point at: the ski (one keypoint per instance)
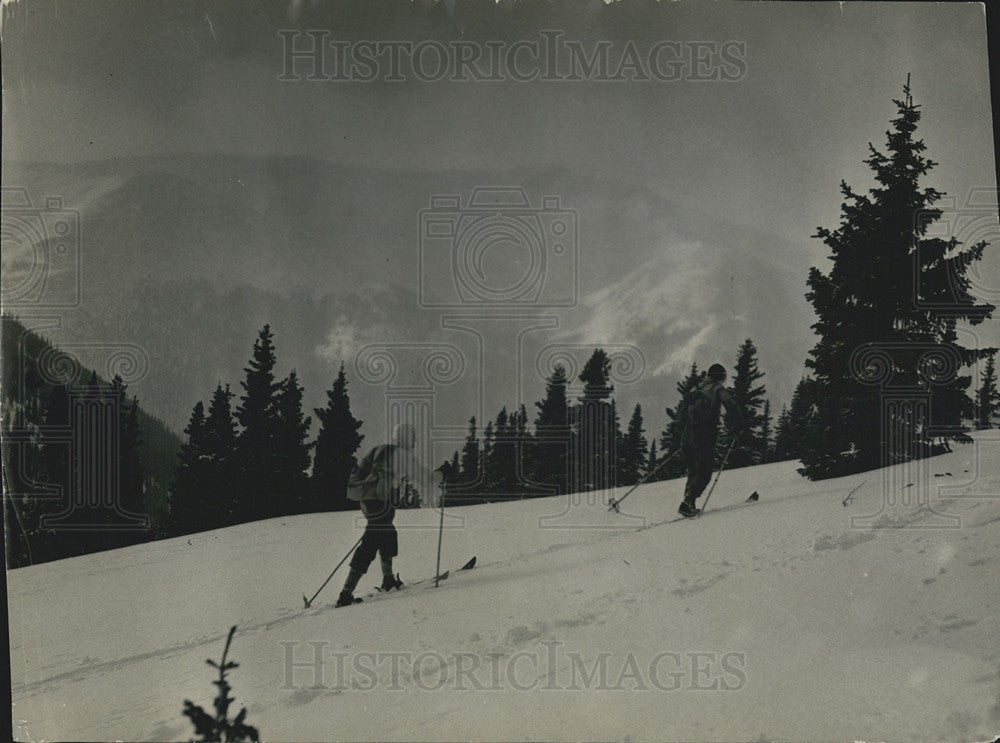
(753, 498)
(378, 592)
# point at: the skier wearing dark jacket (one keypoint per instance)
(376, 482)
(699, 437)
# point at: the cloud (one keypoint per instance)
(341, 343)
(666, 307)
(696, 301)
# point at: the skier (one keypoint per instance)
(700, 416)
(377, 482)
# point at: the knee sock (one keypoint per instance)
(353, 576)
(386, 567)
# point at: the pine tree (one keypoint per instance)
(257, 414)
(633, 460)
(766, 450)
(950, 405)
(869, 324)
(336, 444)
(503, 460)
(650, 460)
(186, 496)
(57, 467)
(470, 472)
(131, 474)
(750, 399)
(128, 475)
(782, 437)
(795, 422)
(221, 499)
(522, 445)
(292, 449)
(596, 450)
(550, 450)
(987, 397)
(453, 473)
(486, 463)
(220, 727)
(617, 449)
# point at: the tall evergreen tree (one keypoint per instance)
(186, 496)
(221, 500)
(130, 474)
(651, 457)
(883, 261)
(633, 461)
(336, 444)
(782, 437)
(766, 437)
(470, 472)
(487, 466)
(522, 446)
(551, 448)
(293, 449)
(596, 449)
(58, 470)
(451, 472)
(750, 398)
(503, 461)
(258, 416)
(987, 396)
(795, 422)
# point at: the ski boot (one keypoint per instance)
(391, 581)
(687, 509)
(346, 599)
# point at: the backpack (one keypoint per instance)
(365, 483)
(696, 409)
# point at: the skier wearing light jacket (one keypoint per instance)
(701, 429)
(377, 482)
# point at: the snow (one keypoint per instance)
(777, 620)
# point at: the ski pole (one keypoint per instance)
(721, 467)
(613, 504)
(437, 571)
(308, 602)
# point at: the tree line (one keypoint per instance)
(253, 460)
(582, 443)
(249, 457)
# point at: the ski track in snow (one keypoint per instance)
(884, 633)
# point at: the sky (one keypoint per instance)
(694, 201)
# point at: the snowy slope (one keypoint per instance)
(773, 621)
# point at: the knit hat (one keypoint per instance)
(404, 434)
(717, 372)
